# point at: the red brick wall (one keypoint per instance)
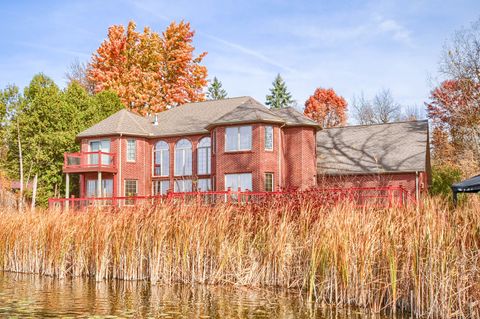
(257, 161)
(405, 180)
(299, 157)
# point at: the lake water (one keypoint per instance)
(27, 296)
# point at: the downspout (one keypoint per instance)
(280, 156)
(417, 191)
(119, 186)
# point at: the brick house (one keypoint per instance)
(239, 143)
(211, 145)
(392, 154)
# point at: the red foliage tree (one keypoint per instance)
(149, 71)
(455, 114)
(326, 108)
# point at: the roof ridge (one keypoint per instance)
(376, 124)
(130, 114)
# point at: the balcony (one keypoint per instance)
(82, 162)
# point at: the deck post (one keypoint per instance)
(99, 184)
(67, 190)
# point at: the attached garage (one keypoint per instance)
(379, 155)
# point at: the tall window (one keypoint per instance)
(183, 158)
(161, 159)
(160, 187)
(269, 182)
(269, 138)
(106, 189)
(204, 156)
(234, 181)
(238, 138)
(182, 185)
(131, 150)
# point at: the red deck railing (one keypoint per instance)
(382, 197)
(88, 160)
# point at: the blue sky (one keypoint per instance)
(351, 46)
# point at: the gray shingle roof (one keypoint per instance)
(393, 147)
(122, 122)
(194, 118)
(294, 118)
(249, 111)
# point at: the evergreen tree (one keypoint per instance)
(279, 96)
(215, 90)
(46, 120)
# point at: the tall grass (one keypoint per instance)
(425, 261)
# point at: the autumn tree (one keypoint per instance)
(279, 96)
(381, 109)
(454, 110)
(326, 108)
(147, 70)
(215, 91)
(78, 72)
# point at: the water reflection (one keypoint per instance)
(36, 296)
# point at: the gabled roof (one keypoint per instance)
(194, 118)
(294, 118)
(249, 111)
(122, 122)
(378, 148)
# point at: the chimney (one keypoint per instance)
(155, 120)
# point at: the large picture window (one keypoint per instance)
(182, 185)
(204, 156)
(204, 185)
(238, 138)
(161, 159)
(234, 181)
(183, 158)
(160, 187)
(269, 138)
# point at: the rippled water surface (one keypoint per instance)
(37, 296)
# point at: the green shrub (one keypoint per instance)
(443, 176)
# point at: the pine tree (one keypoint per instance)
(279, 97)
(215, 90)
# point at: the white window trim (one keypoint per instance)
(135, 154)
(100, 141)
(265, 138)
(238, 149)
(238, 176)
(161, 159)
(160, 181)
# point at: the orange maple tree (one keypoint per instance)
(326, 108)
(149, 71)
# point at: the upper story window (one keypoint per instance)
(131, 150)
(183, 158)
(99, 146)
(204, 156)
(161, 159)
(238, 138)
(269, 138)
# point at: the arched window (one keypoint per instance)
(161, 159)
(204, 156)
(183, 158)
